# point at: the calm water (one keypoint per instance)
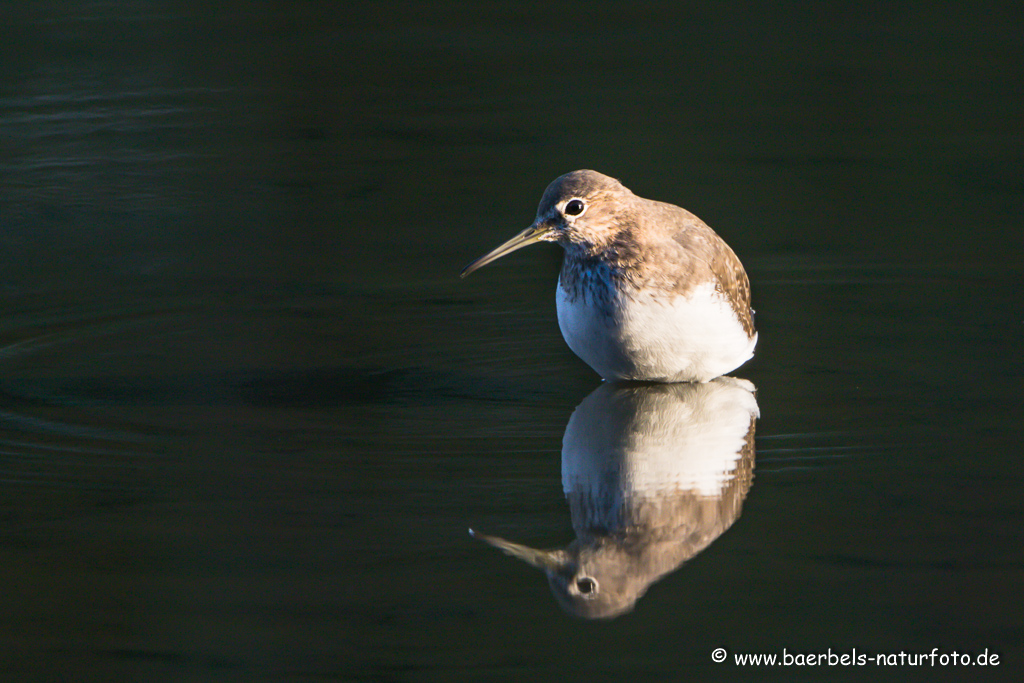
(248, 411)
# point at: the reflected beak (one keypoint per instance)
(552, 561)
(534, 233)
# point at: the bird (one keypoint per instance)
(647, 291)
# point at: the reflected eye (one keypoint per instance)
(574, 207)
(586, 586)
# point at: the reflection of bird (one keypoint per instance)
(647, 291)
(653, 474)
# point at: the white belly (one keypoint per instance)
(680, 339)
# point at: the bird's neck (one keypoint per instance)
(591, 273)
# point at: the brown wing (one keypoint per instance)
(704, 245)
(734, 284)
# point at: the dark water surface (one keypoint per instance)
(248, 411)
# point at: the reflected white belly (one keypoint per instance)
(658, 339)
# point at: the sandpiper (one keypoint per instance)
(647, 291)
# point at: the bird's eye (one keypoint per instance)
(574, 207)
(586, 586)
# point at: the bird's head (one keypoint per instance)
(582, 209)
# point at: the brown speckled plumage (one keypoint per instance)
(642, 244)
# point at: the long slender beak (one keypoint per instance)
(548, 560)
(534, 233)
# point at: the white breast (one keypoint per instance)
(656, 338)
